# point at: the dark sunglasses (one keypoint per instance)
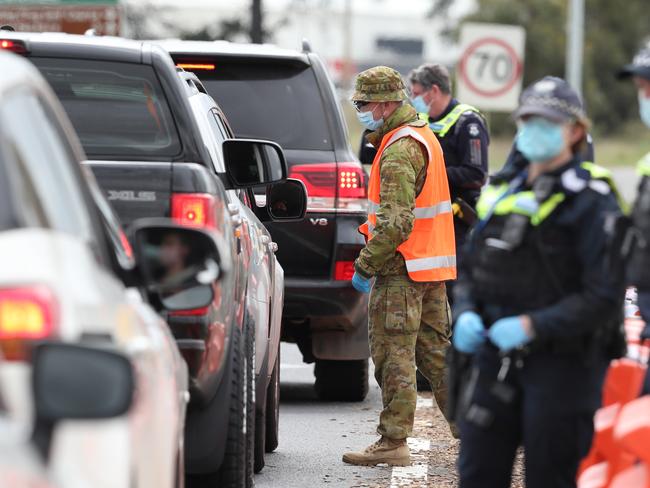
(359, 105)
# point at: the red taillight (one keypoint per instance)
(26, 314)
(17, 47)
(332, 186)
(194, 209)
(191, 312)
(344, 270)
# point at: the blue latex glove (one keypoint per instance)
(469, 332)
(360, 283)
(509, 333)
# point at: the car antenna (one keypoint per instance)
(7, 27)
(306, 47)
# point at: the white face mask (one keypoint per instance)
(644, 108)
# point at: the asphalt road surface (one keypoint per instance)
(314, 434)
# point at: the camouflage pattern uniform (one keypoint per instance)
(408, 321)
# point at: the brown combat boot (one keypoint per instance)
(384, 451)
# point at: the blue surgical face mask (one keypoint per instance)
(368, 121)
(539, 140)
(644, 108)
(420, 105)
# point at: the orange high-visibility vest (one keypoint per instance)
(430, 250)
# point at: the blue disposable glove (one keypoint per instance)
(509, 333)
(360, 283)
(469, 332)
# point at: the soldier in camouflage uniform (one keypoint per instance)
(408, 320)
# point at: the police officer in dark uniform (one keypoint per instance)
(638, 269)
(536, 309)
(463, 135)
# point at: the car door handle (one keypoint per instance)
(273, 246)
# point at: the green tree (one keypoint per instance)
(613, 32)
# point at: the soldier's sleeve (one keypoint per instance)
(472, 167)
(399, 167)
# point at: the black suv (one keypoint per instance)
(287, 96)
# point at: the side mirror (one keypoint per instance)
(287, 201)
(79, 382)
(178, 264)
(252, 163)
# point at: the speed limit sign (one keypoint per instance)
(490, 68)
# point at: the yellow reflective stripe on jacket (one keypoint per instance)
(442, 126)
(643, 166)
(524, 203)
(599, 173)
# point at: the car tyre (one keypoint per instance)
(232, 473)
(345, 381)
(250, 412)
(273, 408)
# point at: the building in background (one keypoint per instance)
(71, 16)
(350, 35)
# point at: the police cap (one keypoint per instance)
(552, 98)
(640, 65)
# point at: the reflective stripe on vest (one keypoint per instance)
(492, 198)
(429, 252)
(643, 166)
(444, 125)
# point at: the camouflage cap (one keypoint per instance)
(379, 84)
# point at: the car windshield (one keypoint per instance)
(118, 109)
(272, 101)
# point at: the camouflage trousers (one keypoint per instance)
(409, 325)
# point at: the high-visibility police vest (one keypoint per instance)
(442, 126)
(429, 252)
(493, 201)
(520, 259)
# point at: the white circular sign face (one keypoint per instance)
(490, 68)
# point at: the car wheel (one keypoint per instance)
(273, 408)
(233, 468)
(345, 381)
(249, 427)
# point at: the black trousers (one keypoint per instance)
(551, 416)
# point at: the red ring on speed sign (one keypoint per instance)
(511, 52)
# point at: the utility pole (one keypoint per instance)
(347, 42)
(257, 31)
(575, 43)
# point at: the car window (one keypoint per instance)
(279, 102)
(117, 109)
(32, 140)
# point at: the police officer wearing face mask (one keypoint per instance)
(638, 269)
(463, 135)
(536, 309)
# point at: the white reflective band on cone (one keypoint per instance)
(424, 264)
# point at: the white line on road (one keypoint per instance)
(418, 471)
(295, 366)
